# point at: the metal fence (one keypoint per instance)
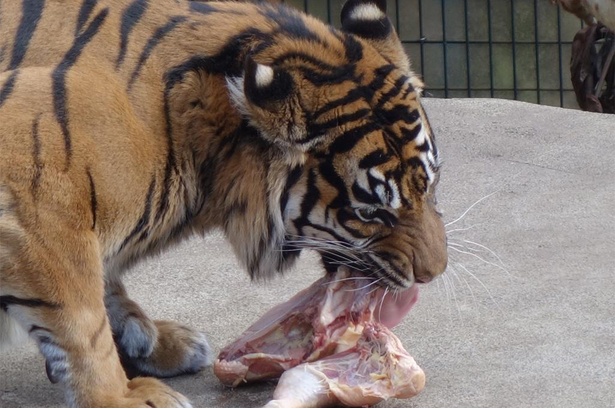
(514, 49)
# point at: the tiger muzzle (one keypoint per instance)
(414, 252)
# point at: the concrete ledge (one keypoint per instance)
(527, 320)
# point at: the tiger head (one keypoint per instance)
(343, 107)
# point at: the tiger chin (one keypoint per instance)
(127, 126)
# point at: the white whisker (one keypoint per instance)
(470, 208)
(465, 281)
(492, 253)
(480, 282)
(481, 259)
(461, 229)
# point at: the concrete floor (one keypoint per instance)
(525, 315)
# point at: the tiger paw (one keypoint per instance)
(150, 392)
(178, 350)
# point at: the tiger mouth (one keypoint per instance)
(383, 272)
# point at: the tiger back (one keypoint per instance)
(129, 125)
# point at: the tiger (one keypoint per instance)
(127, 126)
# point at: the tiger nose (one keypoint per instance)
(424, 274)
(423, 280)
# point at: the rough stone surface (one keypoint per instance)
(524, 316)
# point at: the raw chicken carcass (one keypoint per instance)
(376, 368)
(330, 344)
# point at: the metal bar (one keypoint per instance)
(499, 89)
(537, 51)
(468, 67)
(490, 36)
(559, 56)
(329, 12)
(494, 42)
(397, 18)
(514, 47)
(422, 38)
(444, 47)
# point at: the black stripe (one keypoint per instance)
(350, 138)
(34, 328)
(163, 205)
(131, 16)
(317, 63)
(36, 156)
(7, 300)
(370, 29)
(310, 199)
(291, 180)
(144, 219)
(333, 233)
(380, 74)
(383, 272)
(93, 201)
(344, 217)
(352, 96)
(363, 195)
(419, 179)
(202, 8)
(235, 209)
(152, 42)
(59, 78)
(330, 174)
(353, 48)
(228, 61)
(199, 6)
(408, 135)
(339, 121)
(7, 88)
(96, 336)
(340, 75)
(424, 147)
(84, 14)
(397, 113)
(292, 24)
(395, 90)
(374, 158)
(31, 14)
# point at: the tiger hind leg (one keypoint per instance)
(54, 289)
(155, 348)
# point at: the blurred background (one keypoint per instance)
(511, 49)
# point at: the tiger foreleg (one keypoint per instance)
(157, 348)
(54, 290)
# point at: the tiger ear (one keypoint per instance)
(266, 96)
(265, 86)
(368, 19)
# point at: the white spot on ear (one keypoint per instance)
(263, 76)
(367, 11)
